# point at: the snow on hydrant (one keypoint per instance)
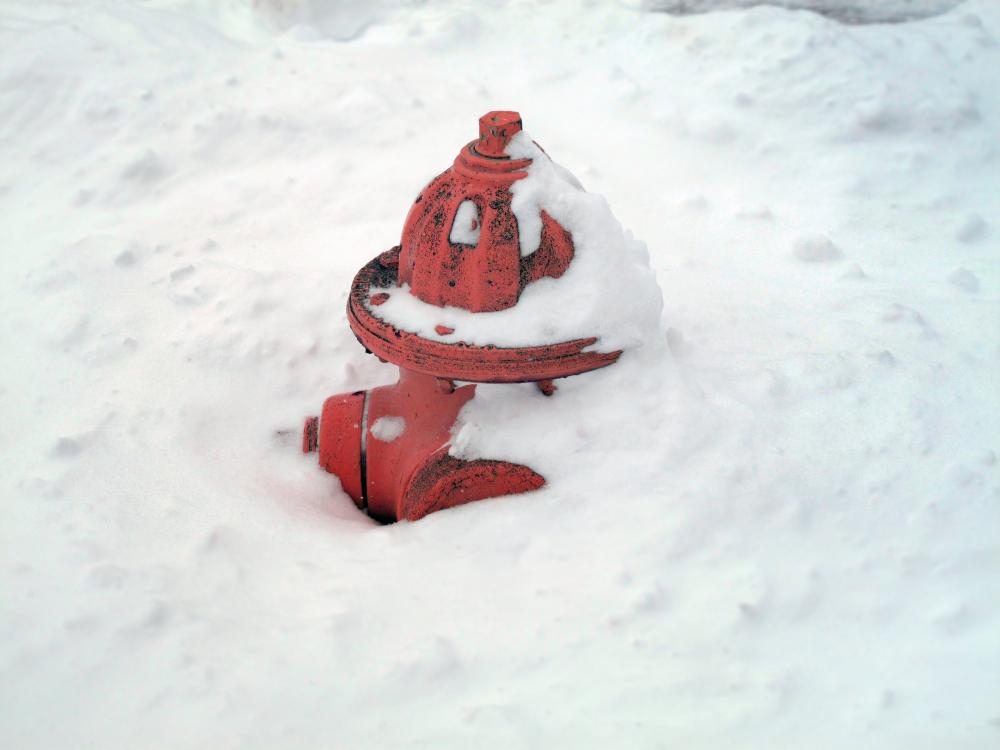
(508, 272)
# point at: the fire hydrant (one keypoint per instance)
(460, 248)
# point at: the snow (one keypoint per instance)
(848, 11)
(964, 279)
(388, 429)
(465, 227)
(775, 524)
(972, 228)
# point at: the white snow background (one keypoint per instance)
(777, 526)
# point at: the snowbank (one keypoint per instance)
(782, 531)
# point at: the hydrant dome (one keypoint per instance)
(507, 271)
(490, 274)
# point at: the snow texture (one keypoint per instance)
(774, 523)
(847, 11)
(465, 227)
(816, 249)
(388, 429)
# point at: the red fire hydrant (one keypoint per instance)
(460, 248)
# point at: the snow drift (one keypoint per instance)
(781, 524)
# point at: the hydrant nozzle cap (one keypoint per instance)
(495, 131)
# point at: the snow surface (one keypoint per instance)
(848, 11)
(778, 525)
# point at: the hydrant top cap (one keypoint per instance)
(495, 131)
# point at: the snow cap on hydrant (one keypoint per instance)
(507, 271)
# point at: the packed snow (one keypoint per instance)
(388, 429)
(773, 523)
(465, 228)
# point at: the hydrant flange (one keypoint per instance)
(459, 361)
